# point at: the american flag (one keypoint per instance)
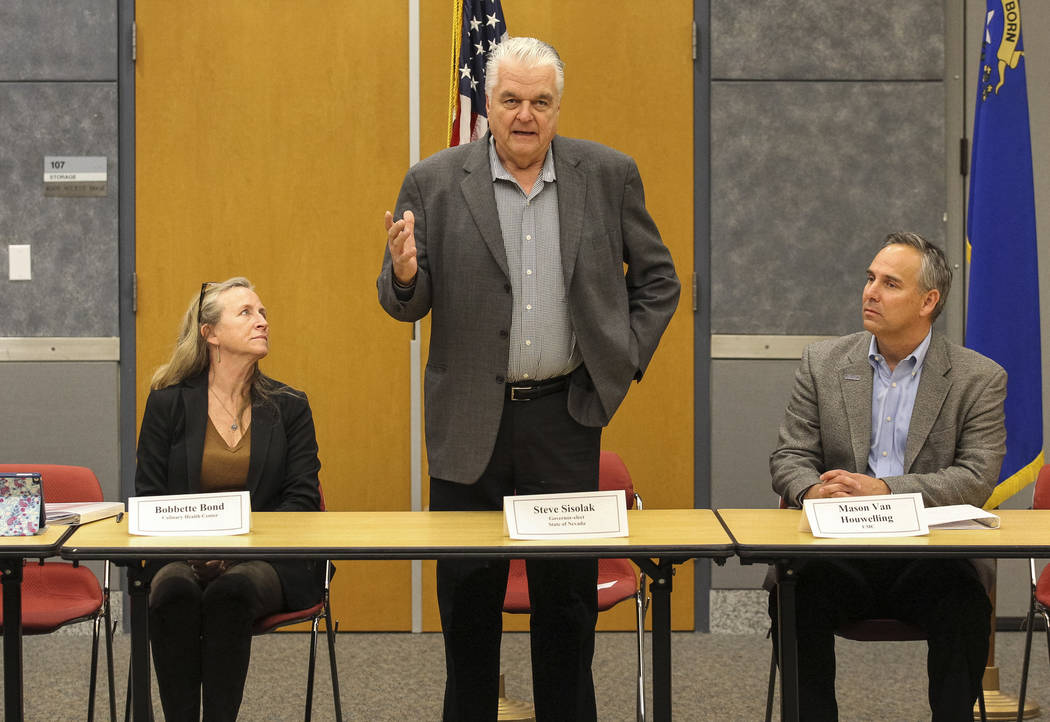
(482, 28)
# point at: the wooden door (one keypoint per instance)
(270, 137)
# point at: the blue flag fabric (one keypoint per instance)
(1002, 316)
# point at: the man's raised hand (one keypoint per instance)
(401, 240)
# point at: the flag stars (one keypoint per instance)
(474, 25)
(464, 72)
(492, 21)
(480, 47)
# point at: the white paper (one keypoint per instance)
(81, 512)
(960, 516)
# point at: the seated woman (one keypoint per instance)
(213, 423)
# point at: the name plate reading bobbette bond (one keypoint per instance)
(581, 515)
(885, 515)
(219, 514)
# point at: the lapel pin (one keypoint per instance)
(852, 377)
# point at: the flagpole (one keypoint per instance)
(414, 351)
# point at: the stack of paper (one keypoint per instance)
(81, 512)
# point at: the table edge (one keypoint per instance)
(51, 549)
(711, 551)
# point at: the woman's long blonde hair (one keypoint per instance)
(190, 356)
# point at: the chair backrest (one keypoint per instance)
(1041, 494)
(62, 483)
(613, 475)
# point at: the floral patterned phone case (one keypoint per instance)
(21, 504)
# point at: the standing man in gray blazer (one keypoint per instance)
(894, 409)
(516, 245)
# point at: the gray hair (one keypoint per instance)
(531, 53)
(934, 271)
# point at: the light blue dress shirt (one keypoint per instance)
(542, 342)
(892, 401)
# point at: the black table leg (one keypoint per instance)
(660, 573)
(788, 643)
(138, 583)
(12, 586)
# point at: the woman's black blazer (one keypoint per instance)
(282, 470)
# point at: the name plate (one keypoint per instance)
(582, 515)
(219, 514)
(74, 175)
(886, 515)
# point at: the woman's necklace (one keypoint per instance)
(233, 426)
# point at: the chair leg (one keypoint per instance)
(127, 696)
(1029, 620)
(94, 667)
(310, 670)
(639, 606)
(330, 633)
(772, 685)
(110, 627)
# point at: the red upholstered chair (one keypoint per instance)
(864, 630)
(314, 614)
(616, 577)
(1039, 597)
(56, 593)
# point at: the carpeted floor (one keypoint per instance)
(401, 676)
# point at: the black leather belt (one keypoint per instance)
(527, 391)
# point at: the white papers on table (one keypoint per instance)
(960, 516)
(81, 512)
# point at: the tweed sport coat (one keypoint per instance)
(463, 282)
(956, 438)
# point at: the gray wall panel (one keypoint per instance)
(73, 241)
(58, 40)
(823, 39)
(748, 399)
(807, 178)
(61, 413)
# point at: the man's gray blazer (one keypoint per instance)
(463, 281)
(956, 439)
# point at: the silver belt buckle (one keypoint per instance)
(514, 392)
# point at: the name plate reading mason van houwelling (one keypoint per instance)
(581, 515)
(219, 514)
(884, 515)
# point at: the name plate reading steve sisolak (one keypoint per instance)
(885, 515)
(580, 515)
(219, 514)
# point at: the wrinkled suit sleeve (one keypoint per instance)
(652, 284)
(417, 306)
(798, 459)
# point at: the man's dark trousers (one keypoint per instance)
(540, 449)
(943, 597)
